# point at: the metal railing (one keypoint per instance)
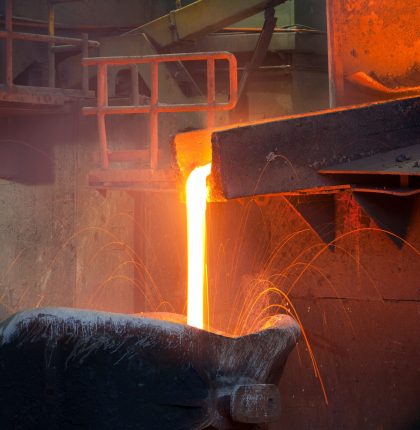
(56, 43)
(155, 107)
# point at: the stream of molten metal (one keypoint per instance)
(196, 196)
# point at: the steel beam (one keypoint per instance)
(284, 155)
(399, 162)
(69, 69)
(244, 42)
(200, 18)
(133, 179)
(39, 95)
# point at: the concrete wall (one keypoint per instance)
(62, 244)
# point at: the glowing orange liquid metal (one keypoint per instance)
(196, 195)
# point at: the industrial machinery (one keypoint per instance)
(309, 113)
(83, 369)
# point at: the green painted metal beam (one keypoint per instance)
(200, 18)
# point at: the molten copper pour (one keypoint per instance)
(196, 218)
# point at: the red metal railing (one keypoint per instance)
(154, 107)
(64, 43)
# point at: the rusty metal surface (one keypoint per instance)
(30, 95)
(23, 94)
(358, 301)
(34, 37)
(369, 353)
(402, 192)
(371, 85)
(284, 155)
(134, 179)
(403, 161)
(16, 109)
(378, 37)
(33, 96)
(154, 107)
(160, 375)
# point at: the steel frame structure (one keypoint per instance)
(155, 107)
(56, 44)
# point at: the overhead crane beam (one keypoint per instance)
(202, 17)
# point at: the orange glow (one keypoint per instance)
(196, 193)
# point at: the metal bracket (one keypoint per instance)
(256, 404)
(173, 27)
(391, 213)
(261, 48)
(318, 211)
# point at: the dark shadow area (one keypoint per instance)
(27, 147)
(24, 163)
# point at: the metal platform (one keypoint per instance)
(403, 161)
(134, 179)
(22, 99)
(40, 95)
